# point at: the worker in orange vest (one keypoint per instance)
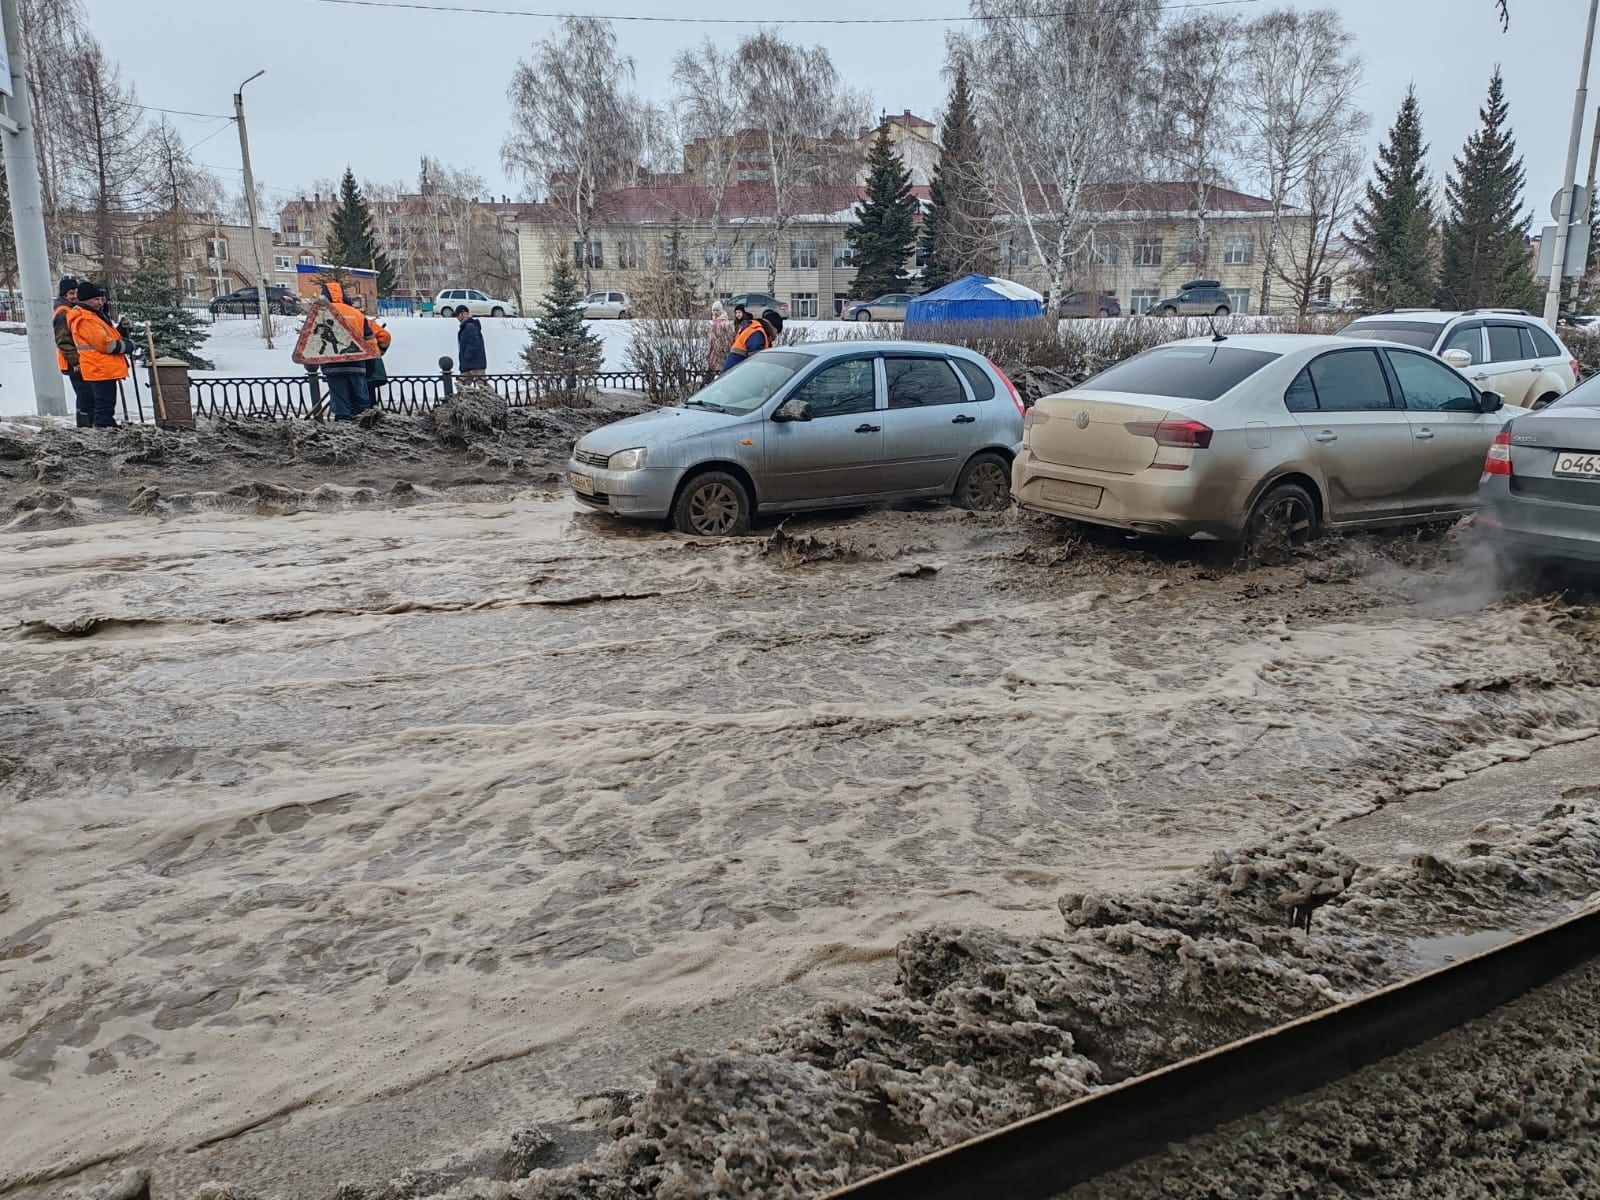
(102, 352)
(348, 394)
(752, 335)
(67, 352)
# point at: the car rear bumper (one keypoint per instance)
(646, 494)
(1543, 532)
(1162, 502)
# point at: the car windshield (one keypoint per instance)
(1182, 372)
(1410, 333)
(752, 383)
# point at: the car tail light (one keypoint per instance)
(1016, 399)
(1498, 461)
(1190, 435)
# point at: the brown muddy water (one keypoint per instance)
(298, 811)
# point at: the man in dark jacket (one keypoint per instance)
(470, 354)
(347, 382)
(67, 352)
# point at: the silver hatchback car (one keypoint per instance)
(811, 426)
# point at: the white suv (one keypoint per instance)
(1503, 350)
(601, 306)
(475, 302)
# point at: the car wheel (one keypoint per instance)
(863, 315)
(446, 311)
(712, 504)
(1283, 519)
(624, 315)
(1220, 311)
(985, 483)
(1105, 312)
(1545, 401)
(498, 312)
(1169, 311)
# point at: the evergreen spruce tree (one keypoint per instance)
(351, 240)
(955, 227)
(152, 297)
(561, 344)
(1485, 261)
(885, 230)
(1393, 228)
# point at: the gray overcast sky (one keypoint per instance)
(436, 82)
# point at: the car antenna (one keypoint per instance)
(1216, 334)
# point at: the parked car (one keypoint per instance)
(890, 307)
(602, 306)
(280, 299)
(755, 303)
(1222, 438)
(475, 302)
(1502, 349)
(1089, 304)
(1197, 298)
(811, 426)
(1541, 483)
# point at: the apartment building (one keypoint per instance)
(214, 257)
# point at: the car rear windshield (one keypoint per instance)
(1182, 372)
(1410, 333)
(1585, 395)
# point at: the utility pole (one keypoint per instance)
(27, 218)
(250, 207)
(1564, 213)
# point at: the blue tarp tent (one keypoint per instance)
(976, 298)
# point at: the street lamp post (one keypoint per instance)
(1565, 213)
(250, 206)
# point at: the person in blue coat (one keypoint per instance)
(472, 357)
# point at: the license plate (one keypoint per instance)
(1575, 465)
(582, 483)
(1079, 495)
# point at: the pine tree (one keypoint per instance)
(885, 230)
(561, 344)
(955, 228)
(1485, 261)
(1393, 228)
(351, 240)
(151, 297)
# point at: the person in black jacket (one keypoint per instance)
(474, 359)
(67, 351)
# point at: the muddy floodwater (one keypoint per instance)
(303, 811)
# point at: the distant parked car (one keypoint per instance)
(1197, 298)
(754, 303)
(891, 307)
(244, 301)
(607, 306)
(475, 302)
(1503, 349)
(1089, 304)
(811, 426)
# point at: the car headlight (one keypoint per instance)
(627, 460)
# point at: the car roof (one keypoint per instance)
(847, 346)
(1287, 343)
(1435, 316)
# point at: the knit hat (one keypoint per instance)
(88, 291)
(68, 284)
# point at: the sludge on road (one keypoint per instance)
(303, 810)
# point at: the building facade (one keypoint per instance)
(212, 257)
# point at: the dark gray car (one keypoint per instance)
(1089, 304)
(1541, 484)
(1198, 298)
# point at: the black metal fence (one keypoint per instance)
(300, 397)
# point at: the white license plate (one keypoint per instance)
(1079, 495)
(1577, 465)
(582, 483)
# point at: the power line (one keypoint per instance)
(175, 112)
(453, 10)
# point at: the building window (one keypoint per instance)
(629, 256)
(216, 248)
(1142, 300)
(757, 258)
(844, 256)
(191, 288)
(803, 257)
(1191, 251)
(803, 304)
(115, 245)
(282, 262)
(1107, 250)
(717, 254)
(1014, 253)
(1325, 288)
(840, 299)
(308, 260)
(147, 244)
(1147, 252)
(921, 259)
(291, 225)
(1238, 300)
(588, 254)
(1237, 250)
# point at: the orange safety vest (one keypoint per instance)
(741, 341)
(61, 359)
(94, 335)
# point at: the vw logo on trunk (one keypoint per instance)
(1083, 420)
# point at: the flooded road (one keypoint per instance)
(298, 811)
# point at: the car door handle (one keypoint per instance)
(1480, 377)
(868, 428)
(963, 419)
(1327, 435)
(1424, 435)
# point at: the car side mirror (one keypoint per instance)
(793, 410)
(1492, 401)
(1457, 358)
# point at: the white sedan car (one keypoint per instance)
(601, 306)
(475, 302)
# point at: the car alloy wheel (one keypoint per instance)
(985, 484)
(1285, 519)
(712, 505)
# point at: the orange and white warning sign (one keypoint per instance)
(328, 338)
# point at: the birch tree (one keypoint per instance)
(52, 29)
(574, 124)
(1313, 244)
(1051, 90)
(711, 109)
(1298, 93)
(179, 190)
